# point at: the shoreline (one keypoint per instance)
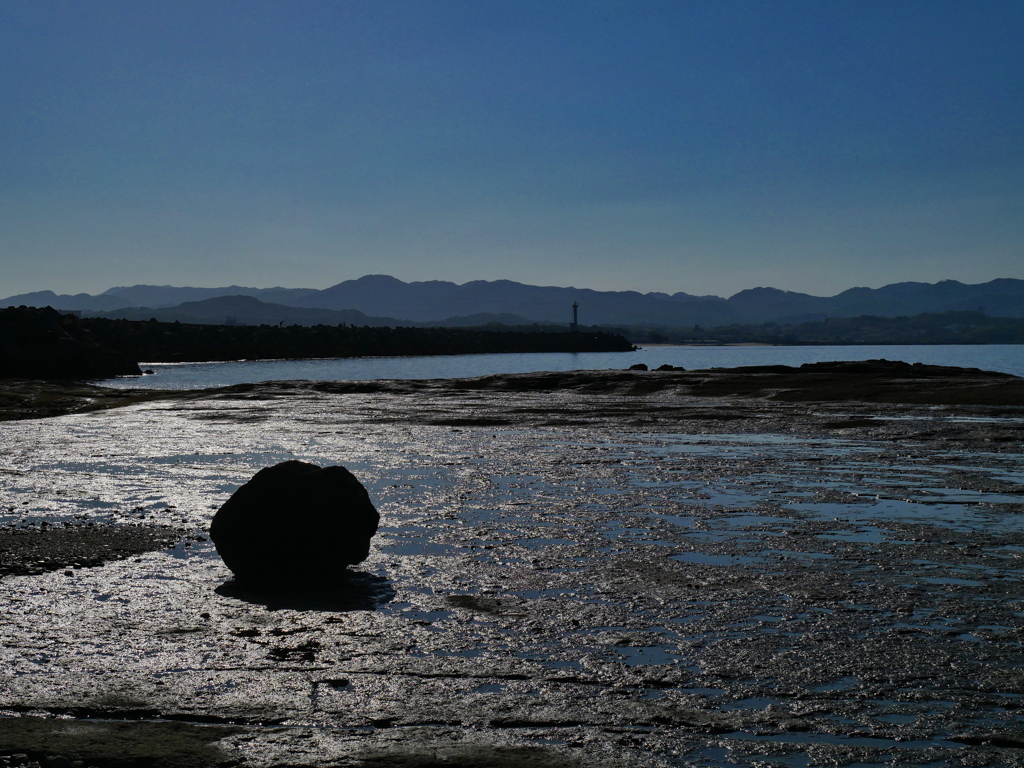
(873, 381)
(615, 569)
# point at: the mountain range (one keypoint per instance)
(385, 300)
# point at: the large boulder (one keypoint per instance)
(295, 523)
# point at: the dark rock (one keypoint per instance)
(667, 367)
(295, 522)
(895, 369)
(44, 344)
(638, 367)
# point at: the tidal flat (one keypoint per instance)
(585, 569)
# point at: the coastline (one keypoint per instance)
(618, 569)
(873, 381)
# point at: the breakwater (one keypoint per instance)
(43, 343)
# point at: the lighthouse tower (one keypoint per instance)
(575, 327)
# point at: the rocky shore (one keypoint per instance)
(869, 381)
(653, 569)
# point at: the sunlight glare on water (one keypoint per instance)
(705, 573)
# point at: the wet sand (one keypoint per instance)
(630, 569)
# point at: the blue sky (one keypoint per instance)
(704, 147)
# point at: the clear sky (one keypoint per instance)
(704, 146)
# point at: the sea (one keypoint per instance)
(1006, 358)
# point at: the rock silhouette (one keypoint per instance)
(295, 523)
(44, 344)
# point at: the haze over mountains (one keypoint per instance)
(384, 300)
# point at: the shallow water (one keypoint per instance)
(669, 598)
(1007, 358)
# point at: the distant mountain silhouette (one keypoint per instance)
(997, 298)
(168, 296)
(483, 318)
(435, 299)
(246, 310)
(64, 301)
(382, 299)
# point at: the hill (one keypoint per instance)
(924, 328)
(244, 310)
(380, 299)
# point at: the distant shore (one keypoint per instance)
(45, 344)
